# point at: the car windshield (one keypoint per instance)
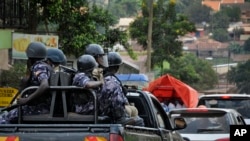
(204, 125)
(240, 105)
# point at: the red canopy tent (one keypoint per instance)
(166, 87)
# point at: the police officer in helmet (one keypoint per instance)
(83, 104)
(100, 56)
(36, 101)
(113, 96)
(55, 57)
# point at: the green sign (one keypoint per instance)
(5, 38)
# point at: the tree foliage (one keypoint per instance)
(221, 35)
(239, 75)
(233, 12)
(78, 23)
(246, 45)
(167, 27)
(193, 71)
(235, 48)
(220, 20)
(198, 13)
(124, 8)
(12, 77)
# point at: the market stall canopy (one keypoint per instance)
(167, 87)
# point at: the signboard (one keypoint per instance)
(5, 38)
(21, 41)
(6, 95)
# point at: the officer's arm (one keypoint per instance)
(41, 89)
(93, 84)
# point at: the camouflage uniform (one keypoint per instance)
(112, 99)
(83, 103)
(40, 71)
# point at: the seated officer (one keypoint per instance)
(83, 104)
(113, 98)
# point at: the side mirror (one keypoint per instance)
(186, 139)
(179, 123)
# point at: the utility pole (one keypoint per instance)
(149, 41)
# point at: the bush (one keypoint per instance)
(12, 77)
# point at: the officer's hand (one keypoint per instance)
(22, 101)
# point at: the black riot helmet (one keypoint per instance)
(86, 63)
(98, 53)
(114, 59)
(56, 56)
(36, 50)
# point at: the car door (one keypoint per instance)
(164, 123)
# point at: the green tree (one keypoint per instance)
(246, 45)
(77, 22)
(198, 13)
(124, 8)
(233, 12)
(235, 48)
(167, 27)
(219, 20)
(193, 71)
(220, 35)
(239, 75)
(12, 77)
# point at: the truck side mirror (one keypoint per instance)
(179, 123)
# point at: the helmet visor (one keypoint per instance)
(103, 61)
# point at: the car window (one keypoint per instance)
(240, 105)
(206, 124)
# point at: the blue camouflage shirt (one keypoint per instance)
(39, 71)
(83, 103)
(112, 100)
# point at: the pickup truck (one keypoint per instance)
(61, 124)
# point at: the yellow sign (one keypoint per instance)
(9, 138)
(6, 95)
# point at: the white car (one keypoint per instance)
(239, 102)
(207, 124)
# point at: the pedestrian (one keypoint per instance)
(34, 101)
(84, 103)
(113, 98)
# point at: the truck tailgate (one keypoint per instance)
(58, 132)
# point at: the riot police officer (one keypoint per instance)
(83, 104)
(101, 58)
(113, 95)
(55, 57)
(36, 101)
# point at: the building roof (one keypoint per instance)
(232, 1)
(206, 44)
(215, 5)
